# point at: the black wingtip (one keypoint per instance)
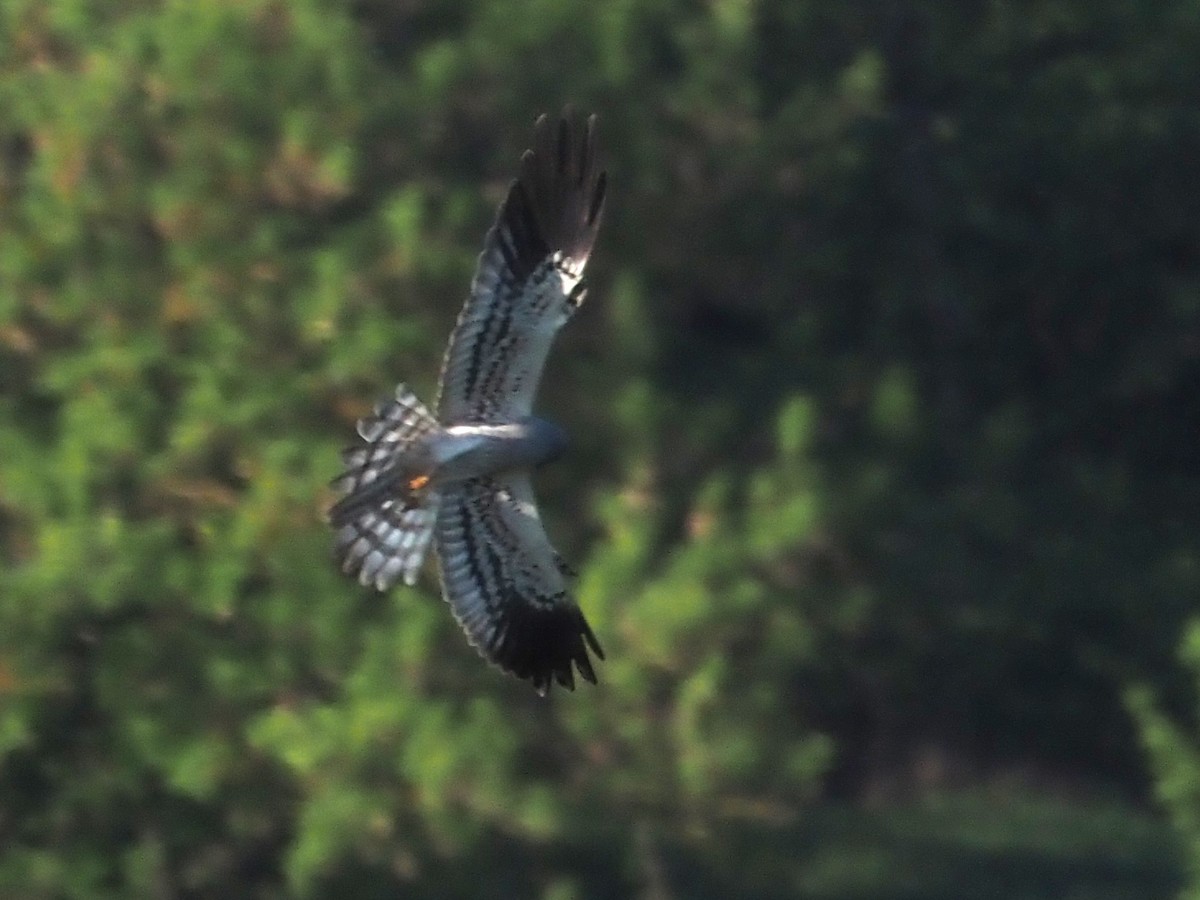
(597, 207)
(590, 637)
(546, 645)
(564, 146)
(557, 200)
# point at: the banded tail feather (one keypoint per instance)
(384, 522)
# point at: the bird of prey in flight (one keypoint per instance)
(461, 478)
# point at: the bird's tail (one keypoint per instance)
(385, 519)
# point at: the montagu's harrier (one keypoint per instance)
(461, 478)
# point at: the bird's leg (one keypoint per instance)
(412, 489)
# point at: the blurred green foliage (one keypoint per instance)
(1172, 746)
(885, 410)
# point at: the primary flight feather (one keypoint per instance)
(462, 479)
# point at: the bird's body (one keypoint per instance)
(469, 451)
(461, 479)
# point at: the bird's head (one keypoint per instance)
(550, 439)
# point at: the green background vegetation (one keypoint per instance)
(884, 491)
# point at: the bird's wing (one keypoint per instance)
(506, 584)
(529, 278)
